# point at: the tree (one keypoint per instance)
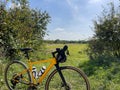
(21, 26)
(107, 34)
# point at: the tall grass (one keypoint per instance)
(2, 83)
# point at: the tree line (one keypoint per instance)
(58, 41)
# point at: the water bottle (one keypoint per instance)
(34, 72)
(42, 70)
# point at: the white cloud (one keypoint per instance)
(59, 29)
(66, 34)
(74, 7)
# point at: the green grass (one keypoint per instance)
(2, 83)
(102, 76)
(77, 53)
(105, 76)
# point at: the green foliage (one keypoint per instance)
(103, 73)
(106, 40)
(21, 26)
(104, 52)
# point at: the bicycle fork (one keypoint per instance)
(64, 83)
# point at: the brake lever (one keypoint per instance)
(57, 50)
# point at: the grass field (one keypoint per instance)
(100, 77)
(77, 53)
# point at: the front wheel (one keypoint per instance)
(75, 79)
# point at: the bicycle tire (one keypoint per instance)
(12, 69)
(69, 73)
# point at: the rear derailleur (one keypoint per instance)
(16, 79)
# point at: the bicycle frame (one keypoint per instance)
(30, 64)
(52, 62)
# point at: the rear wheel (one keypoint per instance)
(17, 77)
(75, 79)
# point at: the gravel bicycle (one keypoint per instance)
(20, 77)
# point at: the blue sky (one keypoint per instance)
(71, 19)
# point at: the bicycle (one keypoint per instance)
(20, 77)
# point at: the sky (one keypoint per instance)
(71, 19)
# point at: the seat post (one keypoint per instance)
(27, 55)
(26, 51)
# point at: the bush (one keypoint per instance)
(21, 26)
(107, 32)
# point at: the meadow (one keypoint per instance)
(101, 77)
